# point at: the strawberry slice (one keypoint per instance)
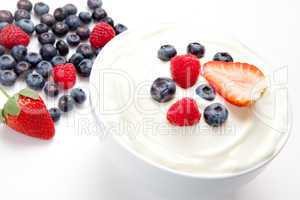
(241, 84)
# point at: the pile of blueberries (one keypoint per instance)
(64, 23)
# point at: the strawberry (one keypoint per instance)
(64, 75)
(185, 70)
(101, 34)
(25, 112)
(241, 84)
(11, 35)
(184, 112)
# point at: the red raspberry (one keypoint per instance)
(65, 75)
(185, 70)
(101, 34)
(184, 112)
(12, 35)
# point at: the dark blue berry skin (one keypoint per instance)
(70, 9)
(120, 28)
(166, 52)
(35, 81)
(66, 103)
(44, 68)
(22, 68)
(6, 16)
(62, 47)
(97, 51)
(215, 114)
(73, 39)
(48, 19)
(7, 62)
(78, 95)
(8, 77)
(93, 4)
(3, 24)
(73, 22)
(59, 14)
(83, 32)
(41, 9)
(55, 114)
(76, 58)
(46, 38)
(86, 50)
(109, 21)
(51, 89)
(24, 4)
(99, 14)
(19, 52)
(58, 60)
(41, 28)
(27, 25)
(48, 51)
(163, 90)
(22, 14)
(2, 50)
(206, 92)
(223, 56)
(60, 29)
(85, 17)
(85, 67)
(33, 58)
(196, 49)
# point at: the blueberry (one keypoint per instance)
(55, 114)
(215, 114)
(223, 56)
(35, 81)
(62, 47)
(41, 8)
(7, 77)
(60, 29)
(73, 39)
(26, 24)
(33, 58)
(78, 95)
(48, 19)
(44, 68)
(24, 4)
(59, 14)
(85, 67)
(73, 22)
(2, 50)
(66, 103)
(22, 14)
(3, 24)
(70, 9)
(51, 89)
(7, 62)
(97, 51)
(99, 14)
(85, 17)
(86, 50)
(19, 52)
(119, 28)
(41, 28)
(48, 51)
(166, 52)
(76, 58)
(83, 32)
(163, 89)
(6, 16)
(196, 49)
(206, 92)
(109, 21)
(22, 68)
(93, 4)
(58, 60)
(46, 38)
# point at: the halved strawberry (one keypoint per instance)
(239, 83)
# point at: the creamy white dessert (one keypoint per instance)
(124, 73)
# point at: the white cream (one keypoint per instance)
(249, 137)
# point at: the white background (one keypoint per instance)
(75, 164)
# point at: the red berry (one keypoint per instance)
(12, 35)
(184, 112)
(101, 34)
(65, 75)
(185, 70)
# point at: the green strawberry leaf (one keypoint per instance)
(29, 93)
(2, 116)
(11, 107)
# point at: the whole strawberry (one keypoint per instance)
(101, 35)
(11, 35)
(64, 75)
(25, 112)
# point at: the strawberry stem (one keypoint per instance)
(4, 92)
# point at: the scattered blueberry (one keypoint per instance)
(70, 9)
(76, 58)
(109, 21)
(41, 28)
(22, 68)
(22, 14)
(223, 56)
(119, 28)
(59, 14)
(62, 47)
(55, 114)
(85, 67)
(41, 8)
(24, 4)
(51, 89)
(66, 103)
(48, 51)
(48, 19)
(73, 39)
(58, 60)
(7, 77)
(166, 52)
(19, 52)
(86, 50)
(46, 38)
(93, 4)
(3, 24)
(85, 17)
(163, 89)
(78, 95)
(206, 92)
(2, 50)
(33, 58)
(215, 114)
(99, 14)
(7, 62)
(196, 49)
(60, 29)
(97, 51)
(44, 68)
(6, 16)
(35, 81)
(83, 32)
(26, 24)
(73, 22)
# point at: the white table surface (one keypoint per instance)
(75, 165)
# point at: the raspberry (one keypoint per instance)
(101, 34)
(184, 112)
(64, 75)
(12, 35)
(185, 70)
